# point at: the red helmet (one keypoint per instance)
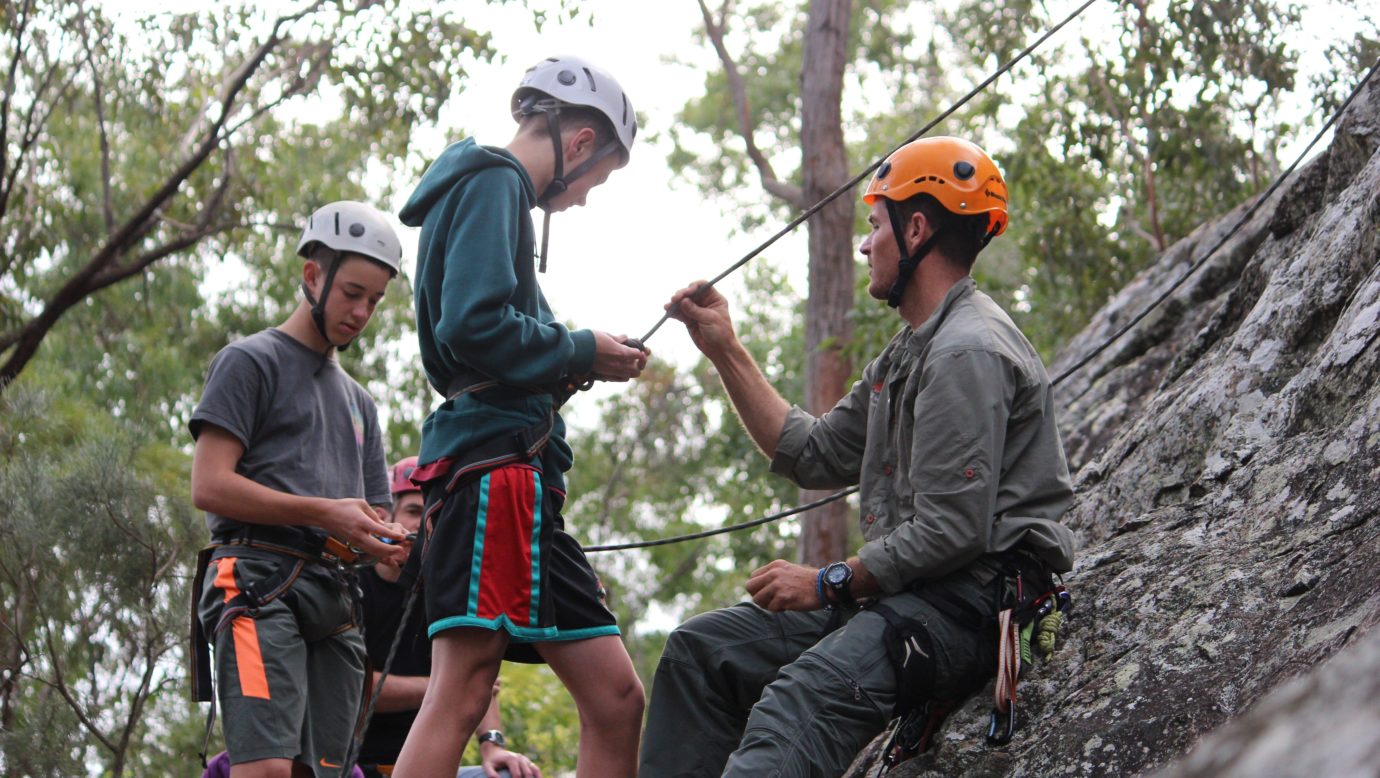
(402, 477)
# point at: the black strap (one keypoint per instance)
(203, 685)
(521, 446)
(905, 268)
(318, 307)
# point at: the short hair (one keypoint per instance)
(961, 236)
(576, 117)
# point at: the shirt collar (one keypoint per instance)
(922, 335)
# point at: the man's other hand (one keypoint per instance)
(784, 586)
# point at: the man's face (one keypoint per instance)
(355, 293)
(575, 194)
(881, 251)
(407, 510)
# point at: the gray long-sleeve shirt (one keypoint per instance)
(951, 435)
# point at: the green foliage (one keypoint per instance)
(1349, 60)
(95, 548)
(539, 719)
(1161, 116)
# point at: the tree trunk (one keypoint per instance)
(824, 533)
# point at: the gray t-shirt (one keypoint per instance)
(308, 429)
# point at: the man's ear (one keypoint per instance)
(918, 230)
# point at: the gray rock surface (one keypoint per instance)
(1228, 477)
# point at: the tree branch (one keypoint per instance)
(59, 681)
(793, 195)
(33, 129)
(96, 273)
(10, 80)
(97, 94)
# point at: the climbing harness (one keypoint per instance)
(294, 554)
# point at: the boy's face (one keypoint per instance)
(407, 510)
(579, 188)
(355, 293)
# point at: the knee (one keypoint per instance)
(631, 699)
(697, 637)
(622, 701)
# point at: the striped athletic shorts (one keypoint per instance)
(497, 557)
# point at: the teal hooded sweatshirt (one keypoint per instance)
(480, 309)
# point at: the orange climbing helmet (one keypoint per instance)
(957, 173)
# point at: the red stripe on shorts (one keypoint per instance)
(505, 579)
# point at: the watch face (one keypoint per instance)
(837, 574)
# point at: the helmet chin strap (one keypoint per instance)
(905, 268)
(559, 180)
(318, 307)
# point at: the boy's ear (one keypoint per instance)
(311, 273)
(580, 145)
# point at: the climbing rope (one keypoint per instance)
(867, 171)
(839, 495)
(357, 742)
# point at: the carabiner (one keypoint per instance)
(997, 734)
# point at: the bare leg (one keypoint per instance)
(270, 768)
(464, 664)
(608, 694)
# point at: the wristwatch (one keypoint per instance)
(838, 576)
(493, 736)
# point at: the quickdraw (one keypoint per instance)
(1017, 627)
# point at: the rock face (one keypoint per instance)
(1225, 453)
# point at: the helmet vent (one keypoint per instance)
(356, 230)
(625, 109)
(937, 179)
(592, 86)
(964, 170)
(565, 77)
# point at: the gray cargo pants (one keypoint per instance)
(746, 692)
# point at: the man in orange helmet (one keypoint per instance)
(951, 437)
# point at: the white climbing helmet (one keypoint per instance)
(351, 227)
(574, 81)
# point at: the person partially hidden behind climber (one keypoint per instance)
(385, 589)
(950, 434)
